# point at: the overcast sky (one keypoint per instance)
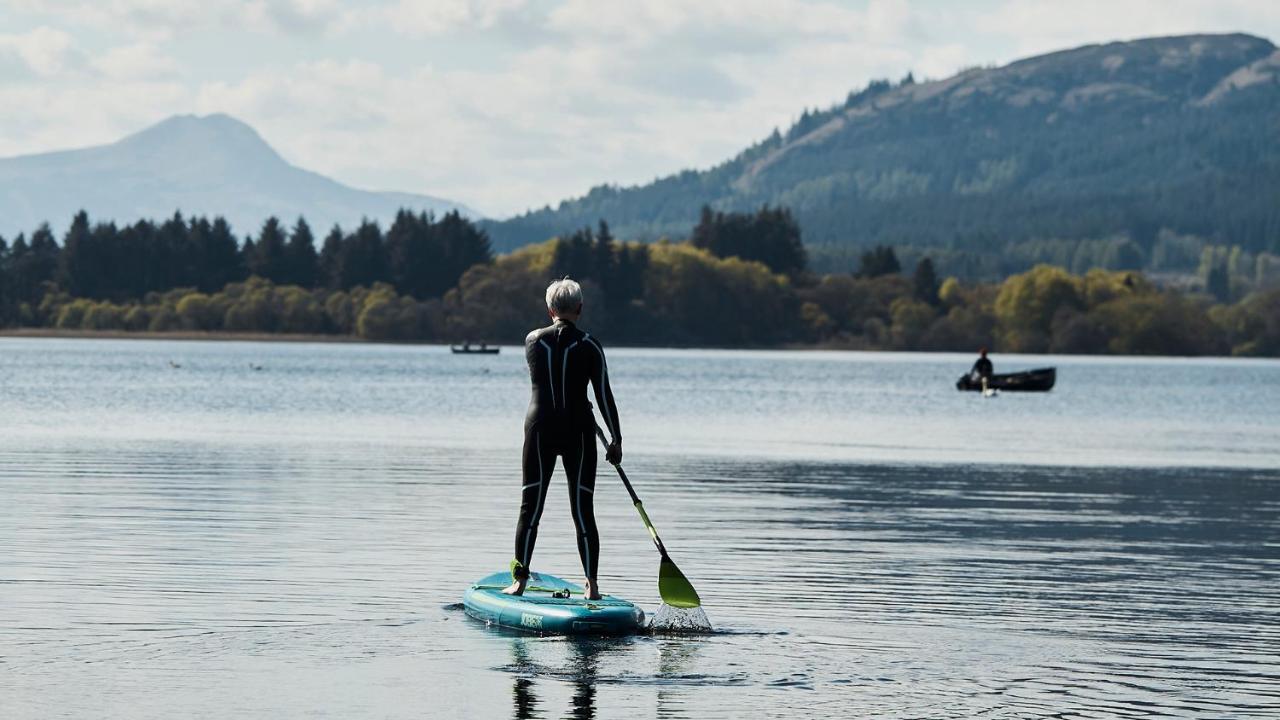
(511, 104)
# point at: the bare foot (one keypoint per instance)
(592, 592)
(517, 587)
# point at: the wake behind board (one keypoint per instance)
(544, 608)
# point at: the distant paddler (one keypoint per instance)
(562, 360)
(982, 369)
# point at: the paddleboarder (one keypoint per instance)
(562, 360)
(982, 367)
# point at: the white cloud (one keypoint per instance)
(1036, 26)
(620, 95)
(942, 61)
(154, 18)
(510, 104)
(45, 51)
(138, 61)
(421, 131)
(414, 17)
(741, 26)
(166, 19)
(290, 16)
(55, 116)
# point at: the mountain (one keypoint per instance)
(1122, 140)
(211, 165)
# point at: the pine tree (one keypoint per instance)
(221, 258)
(363, 260)
(770, 236)
(164, 265)
(414, 252)
(880, 260)
(42, 261)
(6, 301)
(247, 251)
(925, 282)
(329, 263)
(606, 260)
(1218, 283)
(15, 267)
(76, 262)
(300, 256)
(268, 257)
(464, 245)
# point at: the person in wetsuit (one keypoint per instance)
(982, 368)
(562, 360)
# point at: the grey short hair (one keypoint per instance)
(564, 296)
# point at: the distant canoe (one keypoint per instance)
(1038, 380)
(482, 350)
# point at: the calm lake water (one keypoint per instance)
(258, 530)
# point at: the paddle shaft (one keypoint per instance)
(635, 499)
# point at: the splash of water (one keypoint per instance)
(669, 619)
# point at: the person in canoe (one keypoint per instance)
(982, 368)
(562, 360)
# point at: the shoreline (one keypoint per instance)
(223, 336)
(196, 335)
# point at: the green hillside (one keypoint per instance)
(1126, 155)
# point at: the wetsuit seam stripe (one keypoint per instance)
(537, 512)
(582, 525)
(551, 369)
(564, 369)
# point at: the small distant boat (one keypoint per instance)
(1038, 380)
(469, 349)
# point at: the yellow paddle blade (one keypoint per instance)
(674, 587)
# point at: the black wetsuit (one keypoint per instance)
(982, 368)
(562, 359)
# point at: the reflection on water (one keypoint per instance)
(538, 664)
(526, 702)
(677, 660)
(237, 559)
(571, 661)
(584, 679)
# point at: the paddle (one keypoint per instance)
(673, 586)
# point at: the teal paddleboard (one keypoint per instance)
(550, 606)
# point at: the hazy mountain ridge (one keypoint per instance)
(1124, 138)
(211, 165)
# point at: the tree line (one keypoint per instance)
(740, 280)
(419, 255)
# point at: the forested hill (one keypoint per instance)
(1125, 143)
